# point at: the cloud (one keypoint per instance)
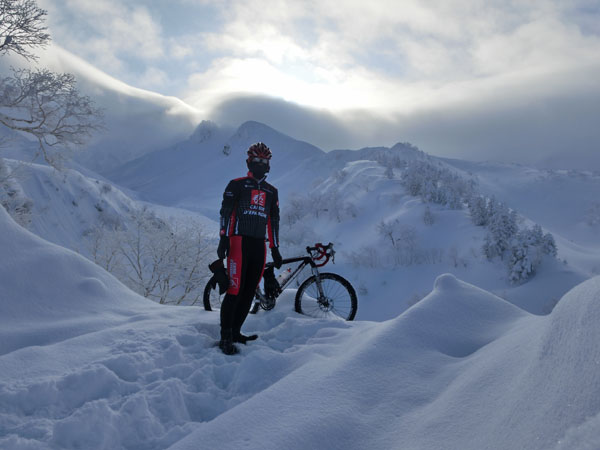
(116, 36)
(385, 56)
(524, 122)
(468, 77)
(319, 127)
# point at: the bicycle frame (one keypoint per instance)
(317, 296)
(324, 252)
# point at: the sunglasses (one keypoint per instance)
(260, 161)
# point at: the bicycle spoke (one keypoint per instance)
(338, 300)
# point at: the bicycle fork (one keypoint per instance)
(322, 299)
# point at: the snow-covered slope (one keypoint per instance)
(86, 364)
(49, 294)
(67, 205)
(388, 282)
(559, 199)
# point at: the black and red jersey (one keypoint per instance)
(251, 208)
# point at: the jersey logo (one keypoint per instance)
(234, 276)
(258, 198)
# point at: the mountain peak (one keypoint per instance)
(409, 151)
(253, 129)
(204, 131)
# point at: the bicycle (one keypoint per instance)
(320, 295)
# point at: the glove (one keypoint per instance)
(223, 249)
(277, 260)
(220, 277)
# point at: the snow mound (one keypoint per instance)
(461, 369)
(458, 318)
(49, 293)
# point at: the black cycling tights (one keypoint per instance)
(245, 265)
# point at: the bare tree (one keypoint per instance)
(166, 264)
(41, 103)
(22, 27)
(49, 107)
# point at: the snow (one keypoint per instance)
(443, 354)
(85, 363)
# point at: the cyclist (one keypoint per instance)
(249, 213)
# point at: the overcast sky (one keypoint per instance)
(511, 80)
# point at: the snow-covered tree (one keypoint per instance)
(157, 261)
(549, 245)
(41, 103)
(12, 197)
(523, 260)
(478, 210)
(501, 229)
(436, 184)
(526, 252)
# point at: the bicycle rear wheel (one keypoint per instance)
(339, 297)
(212, 299)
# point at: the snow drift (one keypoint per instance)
(86, 364)
(49, 293)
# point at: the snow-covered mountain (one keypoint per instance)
(85, 363)
(193, 171)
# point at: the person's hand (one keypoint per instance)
(221, 278)
(223, 249)
(277, 260)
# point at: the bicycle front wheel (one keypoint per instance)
(338, 299)
(212, 299)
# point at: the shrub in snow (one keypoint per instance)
(400, 246)
(454, 258)
(365, 256)
(165, 264)
(12, 197)
(338, 207)
(295, 209)
(389, 173)
(340, 175)
(332, 205)
(592, 216)
(428, 218)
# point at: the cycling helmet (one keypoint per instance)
(259, 150)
